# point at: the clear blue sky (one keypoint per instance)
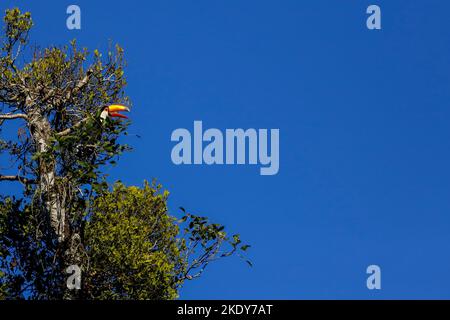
(364, 133)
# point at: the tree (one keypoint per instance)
(123, 239)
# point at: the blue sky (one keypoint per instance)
(364, 137)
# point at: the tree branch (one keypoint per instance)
(69, 130)
(13, 116)
(17, 178)
(83, 82)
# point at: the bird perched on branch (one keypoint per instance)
(113, 111)
(93, 130)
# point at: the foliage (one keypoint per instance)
(134, 246)
(124, 239)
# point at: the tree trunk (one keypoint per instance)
(54, 198)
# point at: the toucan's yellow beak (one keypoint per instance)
(114, 110)
(118, 107)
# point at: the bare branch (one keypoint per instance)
(13, 116)
(83, 82)
(69, 130)
(17, 178)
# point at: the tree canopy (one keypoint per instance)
(124, 239)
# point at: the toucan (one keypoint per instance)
(107, 111)
(113, 110)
